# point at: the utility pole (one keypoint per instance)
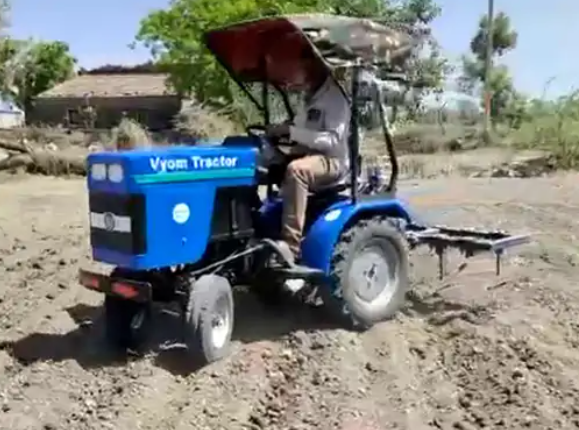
(488, 71)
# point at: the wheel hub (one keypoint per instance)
(372, 274)
(138, 320)
(220, 324)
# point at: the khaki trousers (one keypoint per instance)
(303, 175)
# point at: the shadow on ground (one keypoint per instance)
(253, 322)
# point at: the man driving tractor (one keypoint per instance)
(319, 134)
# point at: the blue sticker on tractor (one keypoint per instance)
(174, 165)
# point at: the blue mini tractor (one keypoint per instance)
(186, 223)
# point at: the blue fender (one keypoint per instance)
(321, 238)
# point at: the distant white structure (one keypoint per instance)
(11, 116)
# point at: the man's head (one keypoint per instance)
(303, 70)
(314, 69)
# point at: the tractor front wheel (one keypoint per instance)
(209, 318)
(369, 273)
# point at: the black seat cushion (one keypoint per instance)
(330, 191)
(233, 141)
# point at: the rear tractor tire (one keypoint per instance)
(127, 323)
(209, 318)
(369, 273)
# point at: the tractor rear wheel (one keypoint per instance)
(209, 318)
(127, 323)
(369, 273)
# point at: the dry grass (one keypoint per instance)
(198, 122)
(425, 150)
(428, 138)
(59, 136)
(129, 134)
(463, 164)
(551, 126)
(204, 122)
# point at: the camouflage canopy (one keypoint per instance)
(289, 51)
(342, 39)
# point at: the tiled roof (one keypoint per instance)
(113, 85)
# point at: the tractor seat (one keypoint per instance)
(336, 187)
(241, 141)
(274, 174)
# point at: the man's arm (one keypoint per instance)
(335, 121)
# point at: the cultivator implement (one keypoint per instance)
(469, 242)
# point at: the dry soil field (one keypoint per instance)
(471, 352)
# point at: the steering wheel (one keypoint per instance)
(280, 144)
(257, 130)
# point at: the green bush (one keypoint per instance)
(552, 126)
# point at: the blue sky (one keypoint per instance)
(99, 32)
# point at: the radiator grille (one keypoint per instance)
(118, 222)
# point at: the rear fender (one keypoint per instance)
(320, 240)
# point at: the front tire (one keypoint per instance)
(369, 273)
(209, 318)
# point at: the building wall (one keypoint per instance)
(154, 112)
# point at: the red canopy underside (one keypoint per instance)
(283, 47)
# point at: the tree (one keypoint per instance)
(427, 75)
(504, 37)
(517, 110)
(120, 69)
(468, 111)
(46, 64)
(28, 68)
(174, 35)
(501, 83)
(11, 58)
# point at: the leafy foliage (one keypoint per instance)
(504, 38)
(29, 68)
(552, 126)
(501, 83)
(47, 64)
(119, 69)
(174, 36)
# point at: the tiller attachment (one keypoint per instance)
(469, 241)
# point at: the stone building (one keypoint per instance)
(102, 100)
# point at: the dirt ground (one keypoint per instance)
(473, 351)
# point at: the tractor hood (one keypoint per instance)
(129, 170)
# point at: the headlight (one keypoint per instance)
(98, 172)
(116, 173)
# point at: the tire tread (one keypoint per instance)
(339, 264)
